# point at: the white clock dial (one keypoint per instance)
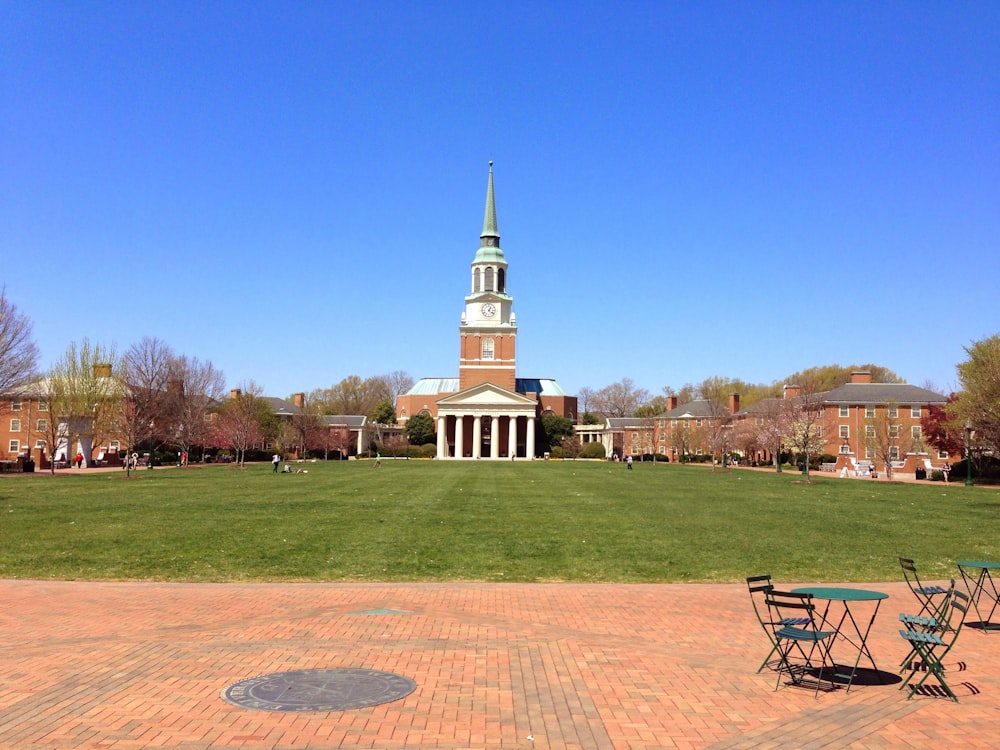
(488, 310)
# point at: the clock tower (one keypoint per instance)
(488, 330)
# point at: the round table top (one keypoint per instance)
(966, 564)
(841, 594)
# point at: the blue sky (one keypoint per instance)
(294, 191)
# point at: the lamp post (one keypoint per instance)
(968, 452)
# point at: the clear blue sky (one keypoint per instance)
(294, 191)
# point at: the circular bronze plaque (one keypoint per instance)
(319, 690)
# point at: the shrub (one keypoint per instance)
(593, 450)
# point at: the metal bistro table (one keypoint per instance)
(979, 581)
(853, 635)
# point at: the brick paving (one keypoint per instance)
(143, 665)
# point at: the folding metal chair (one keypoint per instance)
(931, 646)
(927, 623)
(803, 650)
(926, 595)
(759, 586)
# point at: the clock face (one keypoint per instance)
(488, 310)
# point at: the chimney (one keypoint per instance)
(299, 399)
(102, 370)
(793, 391)
(734, 402)
(235, 393)
(861, 376)
(671, 403)
(175, 387)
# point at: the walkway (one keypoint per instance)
(141, 665)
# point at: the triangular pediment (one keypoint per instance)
(486, 395)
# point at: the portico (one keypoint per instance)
(486, 421)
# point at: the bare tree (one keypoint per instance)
(238, 421)
(194, 388)
(18, 353)
(145, 375)
(715, 391)
(883, 435)
(621, 399)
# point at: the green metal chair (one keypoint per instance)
(803, 650)
(927, 623)
(759, 586)
(927, 596)
(931, 646)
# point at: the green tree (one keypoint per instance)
(420, 429)
(554, 429)
(384, 412)
(979, 400)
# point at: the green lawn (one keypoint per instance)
(485, 521)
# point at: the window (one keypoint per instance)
(869, 431)
(673, 422)
(942, 455)
(893, 453)
(915, 412)
(488, 278)
(819, 430)
(697, 423)
(475, 280)
(15, 425)
(42, 425)
(487, 348)
(15, 446)
(869, 454)
(15, 405)
(40, 444)
(845, 449)
(894, 430)
(43, 406)
(845, 411)
(893, 412)
(845, 431)
(115, 446)
(869, 412)
(501, 279)
(915, 432)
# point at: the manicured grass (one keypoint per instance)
(492, 521)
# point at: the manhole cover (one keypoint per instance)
(319, 690)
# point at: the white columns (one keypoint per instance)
(459, 437)
(512, 436)
(442, 451)
(495, 438)
(477, 436)
(530, 441)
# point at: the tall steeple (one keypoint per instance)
(490, 216)
(489, 240)
(488, 328)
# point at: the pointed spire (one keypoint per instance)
(489, 240)
(490, 216)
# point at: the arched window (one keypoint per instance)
(489, 280)
(475, 280)
(487, 348)
(501, 280)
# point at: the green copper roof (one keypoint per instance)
(489, 240)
